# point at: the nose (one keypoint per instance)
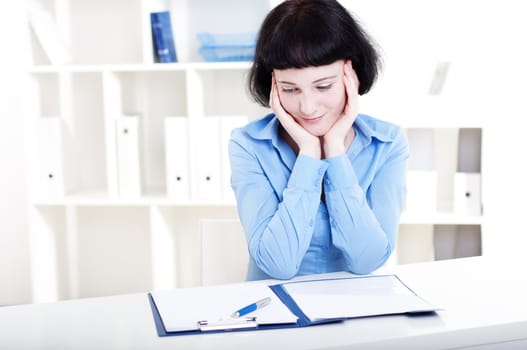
(307, 105)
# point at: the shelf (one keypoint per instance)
(439, 218)
(147, 67)
(102, 200)
(156, 198)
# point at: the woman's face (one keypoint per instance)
(314, 96)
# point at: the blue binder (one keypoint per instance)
(281, 291)
(162, 37)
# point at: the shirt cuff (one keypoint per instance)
(308, 173)
(340, 174)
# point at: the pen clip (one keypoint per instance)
(228, 324)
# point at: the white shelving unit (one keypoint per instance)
(87, 238)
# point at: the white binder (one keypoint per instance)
(467, 193)
(177, 158)
(206, 184)
(128, 157)
(226, 127)
(51, 156)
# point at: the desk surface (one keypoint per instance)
(483, 300)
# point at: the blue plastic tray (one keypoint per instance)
(227, 47)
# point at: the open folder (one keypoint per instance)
(298, 303)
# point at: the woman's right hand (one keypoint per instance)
(307, 144)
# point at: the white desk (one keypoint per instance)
(485, 307)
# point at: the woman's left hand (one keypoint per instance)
(340, 136)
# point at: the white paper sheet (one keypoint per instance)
(181, 309)
(355, 297)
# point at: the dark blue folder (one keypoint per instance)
(162, 37)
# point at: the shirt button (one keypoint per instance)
(311, 223)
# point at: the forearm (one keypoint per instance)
(279, 227)
(356, 231)
(365, 236)
(279, 244)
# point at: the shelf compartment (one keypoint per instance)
(113, 261)
(87, 141)
(47, 92)
(429, 242)
(192, 17)
(98, 31)
(182, 224)
(438, 156)
(49, 267)
(70, 132)
(152, 96)
(92, 34)
(220, 101)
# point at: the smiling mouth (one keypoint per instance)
(312, 120)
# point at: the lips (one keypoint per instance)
(312, 120)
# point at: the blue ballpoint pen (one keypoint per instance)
(252, 307)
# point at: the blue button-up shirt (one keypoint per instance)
(290, 230)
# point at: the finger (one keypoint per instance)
(351, 86)
(355, 78)
(275, 99)
(271, 94)
(350, 73)
(348, 85)
(276, 103)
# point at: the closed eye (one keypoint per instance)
(289, 90)
(324, 87)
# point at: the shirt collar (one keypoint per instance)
(364, 124)
(267, 128)
(365, 132)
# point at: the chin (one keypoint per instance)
(317, 131)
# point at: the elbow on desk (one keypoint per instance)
(362, 269)
(281, 272)
(279, 269)
(365, 265)
(285, 274)
(280, 264)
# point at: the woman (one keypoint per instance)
(319, 187)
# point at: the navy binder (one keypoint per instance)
(162, 37)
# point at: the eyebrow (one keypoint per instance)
(314, 82)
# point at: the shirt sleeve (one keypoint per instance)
(279, 226)
(364, 222)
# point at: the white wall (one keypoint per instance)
(506, 164)
(498, 72)
(14, 254)
(485, 39)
